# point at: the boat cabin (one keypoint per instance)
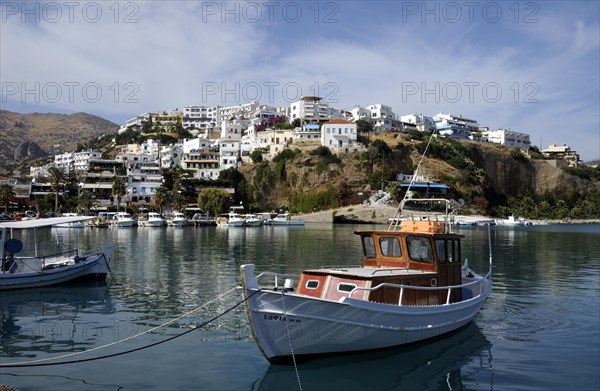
(420, 254)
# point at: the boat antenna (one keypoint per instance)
(396, 219)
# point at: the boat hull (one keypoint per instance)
(92, 267)
(315, 326)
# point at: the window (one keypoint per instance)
(369, 247)
(312, 284)
(450, 251)
(419, 249)
(440, 245)
(345, 287)
(390, 247)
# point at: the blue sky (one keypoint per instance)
(533, 67)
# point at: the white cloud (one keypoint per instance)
(170, 52)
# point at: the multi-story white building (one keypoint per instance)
(311, 109)
(200, 117)
(422, 122)
(358, 112)
(469, 124)
(339, 134)
(234, 130)
(170, 155)
(143, 178)
(239, 112)
(508, 138)
(76, 161)
(136, 123)
(383, 118)
(167, 120)
(230, 153)
(203, 160)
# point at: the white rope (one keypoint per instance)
(290, 340)
(124, 339)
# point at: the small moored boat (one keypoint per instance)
(285, 219)
(20, 270)
(153, 220)
(411, 286)
(177, 219)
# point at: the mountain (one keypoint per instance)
(30, 136)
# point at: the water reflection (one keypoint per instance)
(59, 319)
(432, 365)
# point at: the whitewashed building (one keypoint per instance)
(136, 123)
(339, 134)
(562, 152)
(508, 138)
(230, 153)
(310, 109)
(422, 122)
(203, 160)
(76, 161)
(200, 117)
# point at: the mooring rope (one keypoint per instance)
(287, 329)
(44, 362)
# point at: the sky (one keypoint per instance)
(531, 66)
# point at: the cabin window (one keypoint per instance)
(390, 247)
(369, 247)
(312, 284)
(451, 250)
(344, 287)
(440, 245)
(419, 249)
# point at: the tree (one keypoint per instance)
(86, 201)
(213, 200)
(179, 202)
(7, 194)
(119, 190)
(161, 197)
(57, 176)
(364, 126)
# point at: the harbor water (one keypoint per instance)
(539, 330)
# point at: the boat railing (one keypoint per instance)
(402, 288)
(276, 277)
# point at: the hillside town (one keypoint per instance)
(207, 140)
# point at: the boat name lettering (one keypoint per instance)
(280, 318)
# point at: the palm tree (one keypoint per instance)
(86, 201)
(119, 190)
(57, 176)
(7, 194)
(161, 197)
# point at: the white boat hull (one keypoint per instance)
(318, 326)
(92, 267)
(176, 223)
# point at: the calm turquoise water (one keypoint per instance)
(538, 331)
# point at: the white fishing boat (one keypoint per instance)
(252, 220)
(511, 221)
(285, 219)
(231, 219)
(153, 220)
(123, 220)
(177, 219)
(24, 270)
(411, 285)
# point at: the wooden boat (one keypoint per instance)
(411, 286)
(37, 270)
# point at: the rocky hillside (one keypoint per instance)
(481, 174)
(30, 136)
